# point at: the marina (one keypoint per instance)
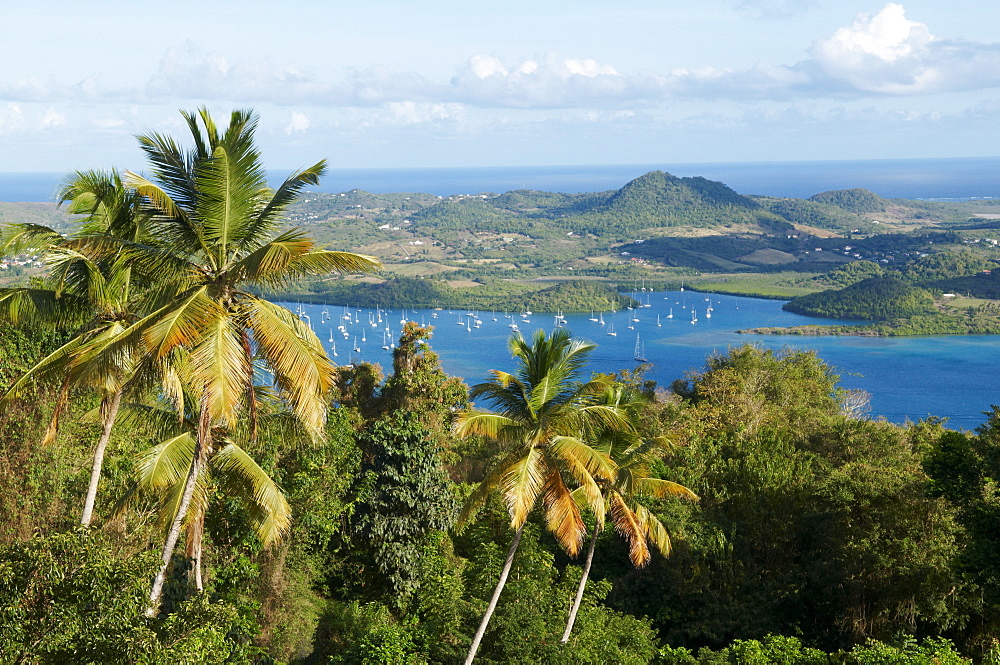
(946, 376)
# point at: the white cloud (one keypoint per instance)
(887, 53)
(879, 54)
(299, 122)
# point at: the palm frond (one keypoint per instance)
(521, 485)
(571, 448)
(180, 323)
(631, 529)
(27, 305)
(165, 464)
(286, 194)
(300, 366)
(482, 423)
(662, 489)
(655, 531)
(562, 515)
(240, 477)
(221, 369)
(27, 238)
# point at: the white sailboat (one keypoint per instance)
(639, 356)
(334, 349)
(611, 330)
(658, 324)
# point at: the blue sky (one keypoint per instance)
(387, 83)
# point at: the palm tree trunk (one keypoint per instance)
(201, 444)
(579, 590)
(474, 647)
(109, 411)
(196, 532)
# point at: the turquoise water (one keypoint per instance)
(908, 378)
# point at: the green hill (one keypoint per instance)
(875, 298)
(855, 200)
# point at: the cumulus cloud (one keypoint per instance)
(880, 54)
(889, 54)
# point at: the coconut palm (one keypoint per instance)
(632, 458)
(229, 471)
(540, 411)
(217, 234)
(94, 294)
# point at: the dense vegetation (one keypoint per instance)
(876, 298)
(246, 501)
(840, 533)
(565, 296)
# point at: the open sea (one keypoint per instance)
(953, 377)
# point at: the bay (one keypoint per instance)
(909, 379)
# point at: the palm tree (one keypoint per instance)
(215, 235)
(540, 411)
(632, 458)
(229, 471)
(97, 292)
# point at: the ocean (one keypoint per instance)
(951, 178)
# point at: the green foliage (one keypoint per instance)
(810, 524)
(566, 296)
(366, 634)
(71, 597)
(877, 298)
(851, 273)
(780, 650)
(532, 610)
(822, 215)
(944, 265)
(855, 200)
(402, 495)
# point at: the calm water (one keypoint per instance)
(908, 378)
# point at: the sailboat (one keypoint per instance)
(671, 314)
(694, 316)
(357, 349)
(385, 344)
(639, 356)
(363, 338)
(658, 324)
(592, 317)
(334, 349)
(601, 321)
(611, 330)
(331, 334)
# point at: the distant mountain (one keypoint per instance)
(659, 193)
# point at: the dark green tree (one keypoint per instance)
(403, 495)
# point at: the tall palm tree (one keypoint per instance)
(217, 234)
(96, 294)
(540, 411)
(632, 458)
